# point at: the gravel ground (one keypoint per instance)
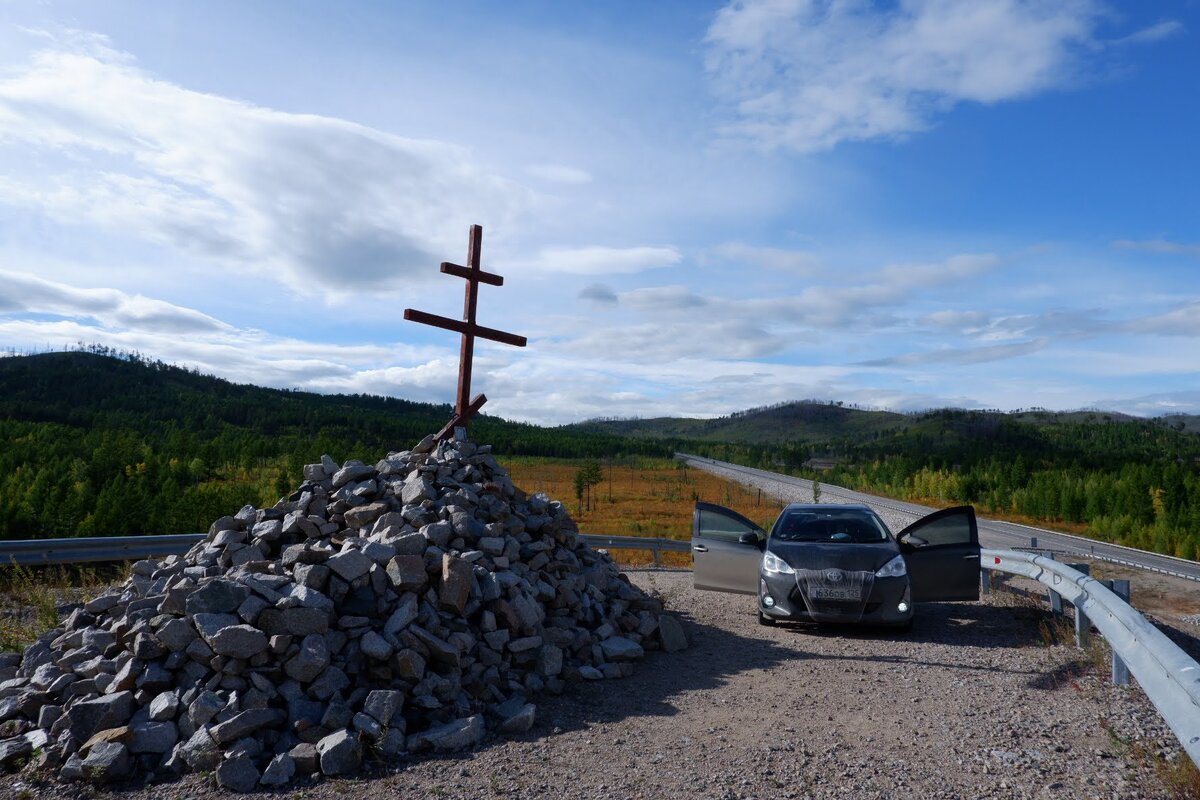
(971, 703)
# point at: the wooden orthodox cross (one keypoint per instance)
(465, 407)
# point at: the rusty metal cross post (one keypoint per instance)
(465, 407)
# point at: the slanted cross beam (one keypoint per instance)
(465, 406)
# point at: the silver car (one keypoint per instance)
(837, 563)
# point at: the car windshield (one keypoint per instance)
(837, 525)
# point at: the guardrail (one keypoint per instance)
(31, 552)
(1168, 675)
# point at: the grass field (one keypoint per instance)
(640, 497)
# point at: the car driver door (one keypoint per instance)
(726, 550)
(942, 553)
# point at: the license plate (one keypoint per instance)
(822, 593)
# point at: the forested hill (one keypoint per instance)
(93, 444)
(797, 423)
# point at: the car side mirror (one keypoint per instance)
(914, 541)
(749, 537)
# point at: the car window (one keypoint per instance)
(713, 525)
(949, 530)
(828, 526)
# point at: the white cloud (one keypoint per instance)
(1155, 33)
(1154, 405)
(961, 321)
(807, 74)
(1159, 246)
(858, 305)
(604, 260)
(660, 341)
(321, 203)
(663, 298)
(1183, 320)
(966, 355)
(559, 173)
(798, 262)
(28, 294)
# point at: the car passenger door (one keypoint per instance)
(942, 553)
(726, 550)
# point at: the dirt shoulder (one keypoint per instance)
(971, 703)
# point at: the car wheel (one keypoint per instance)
(763, 619)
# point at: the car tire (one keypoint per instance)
(763, 619)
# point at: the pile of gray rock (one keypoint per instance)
(401, 607)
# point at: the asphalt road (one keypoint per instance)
(994, 534)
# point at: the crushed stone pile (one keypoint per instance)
(407, 606)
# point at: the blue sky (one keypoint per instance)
(697, 207)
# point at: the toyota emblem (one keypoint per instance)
(835, 575)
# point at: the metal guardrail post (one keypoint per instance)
(1083, 625)
(1120, 671)
(985, 581)
(1056, 601)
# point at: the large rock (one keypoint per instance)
(375, 646)
(200, 752)
(363, 516)
(415, 490)
(153, 737)
(216, 597)
(237, 774)
(384, 704)
(457, 578)
(619, 648)
(280, 771)
(107, 762)
(352, 472)
(176, 634)
(407, 573)
(521, 720)
(238, 641)
(311, 661)
(164, 706)
(670, 633)
(350, 565)
(340, 753)
(14, 750)
(456, 735)
(245, 723)
(85, 717)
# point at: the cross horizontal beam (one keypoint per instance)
(490, 278)
(465, 328)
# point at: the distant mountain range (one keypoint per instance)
(809, 422)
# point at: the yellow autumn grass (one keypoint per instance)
(639, 497)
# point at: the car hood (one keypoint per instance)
(851, 557)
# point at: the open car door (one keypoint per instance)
(726, 550)
(942, 553)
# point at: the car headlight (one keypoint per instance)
(895, 568)
(774, 564)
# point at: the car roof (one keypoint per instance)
(825, 507)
